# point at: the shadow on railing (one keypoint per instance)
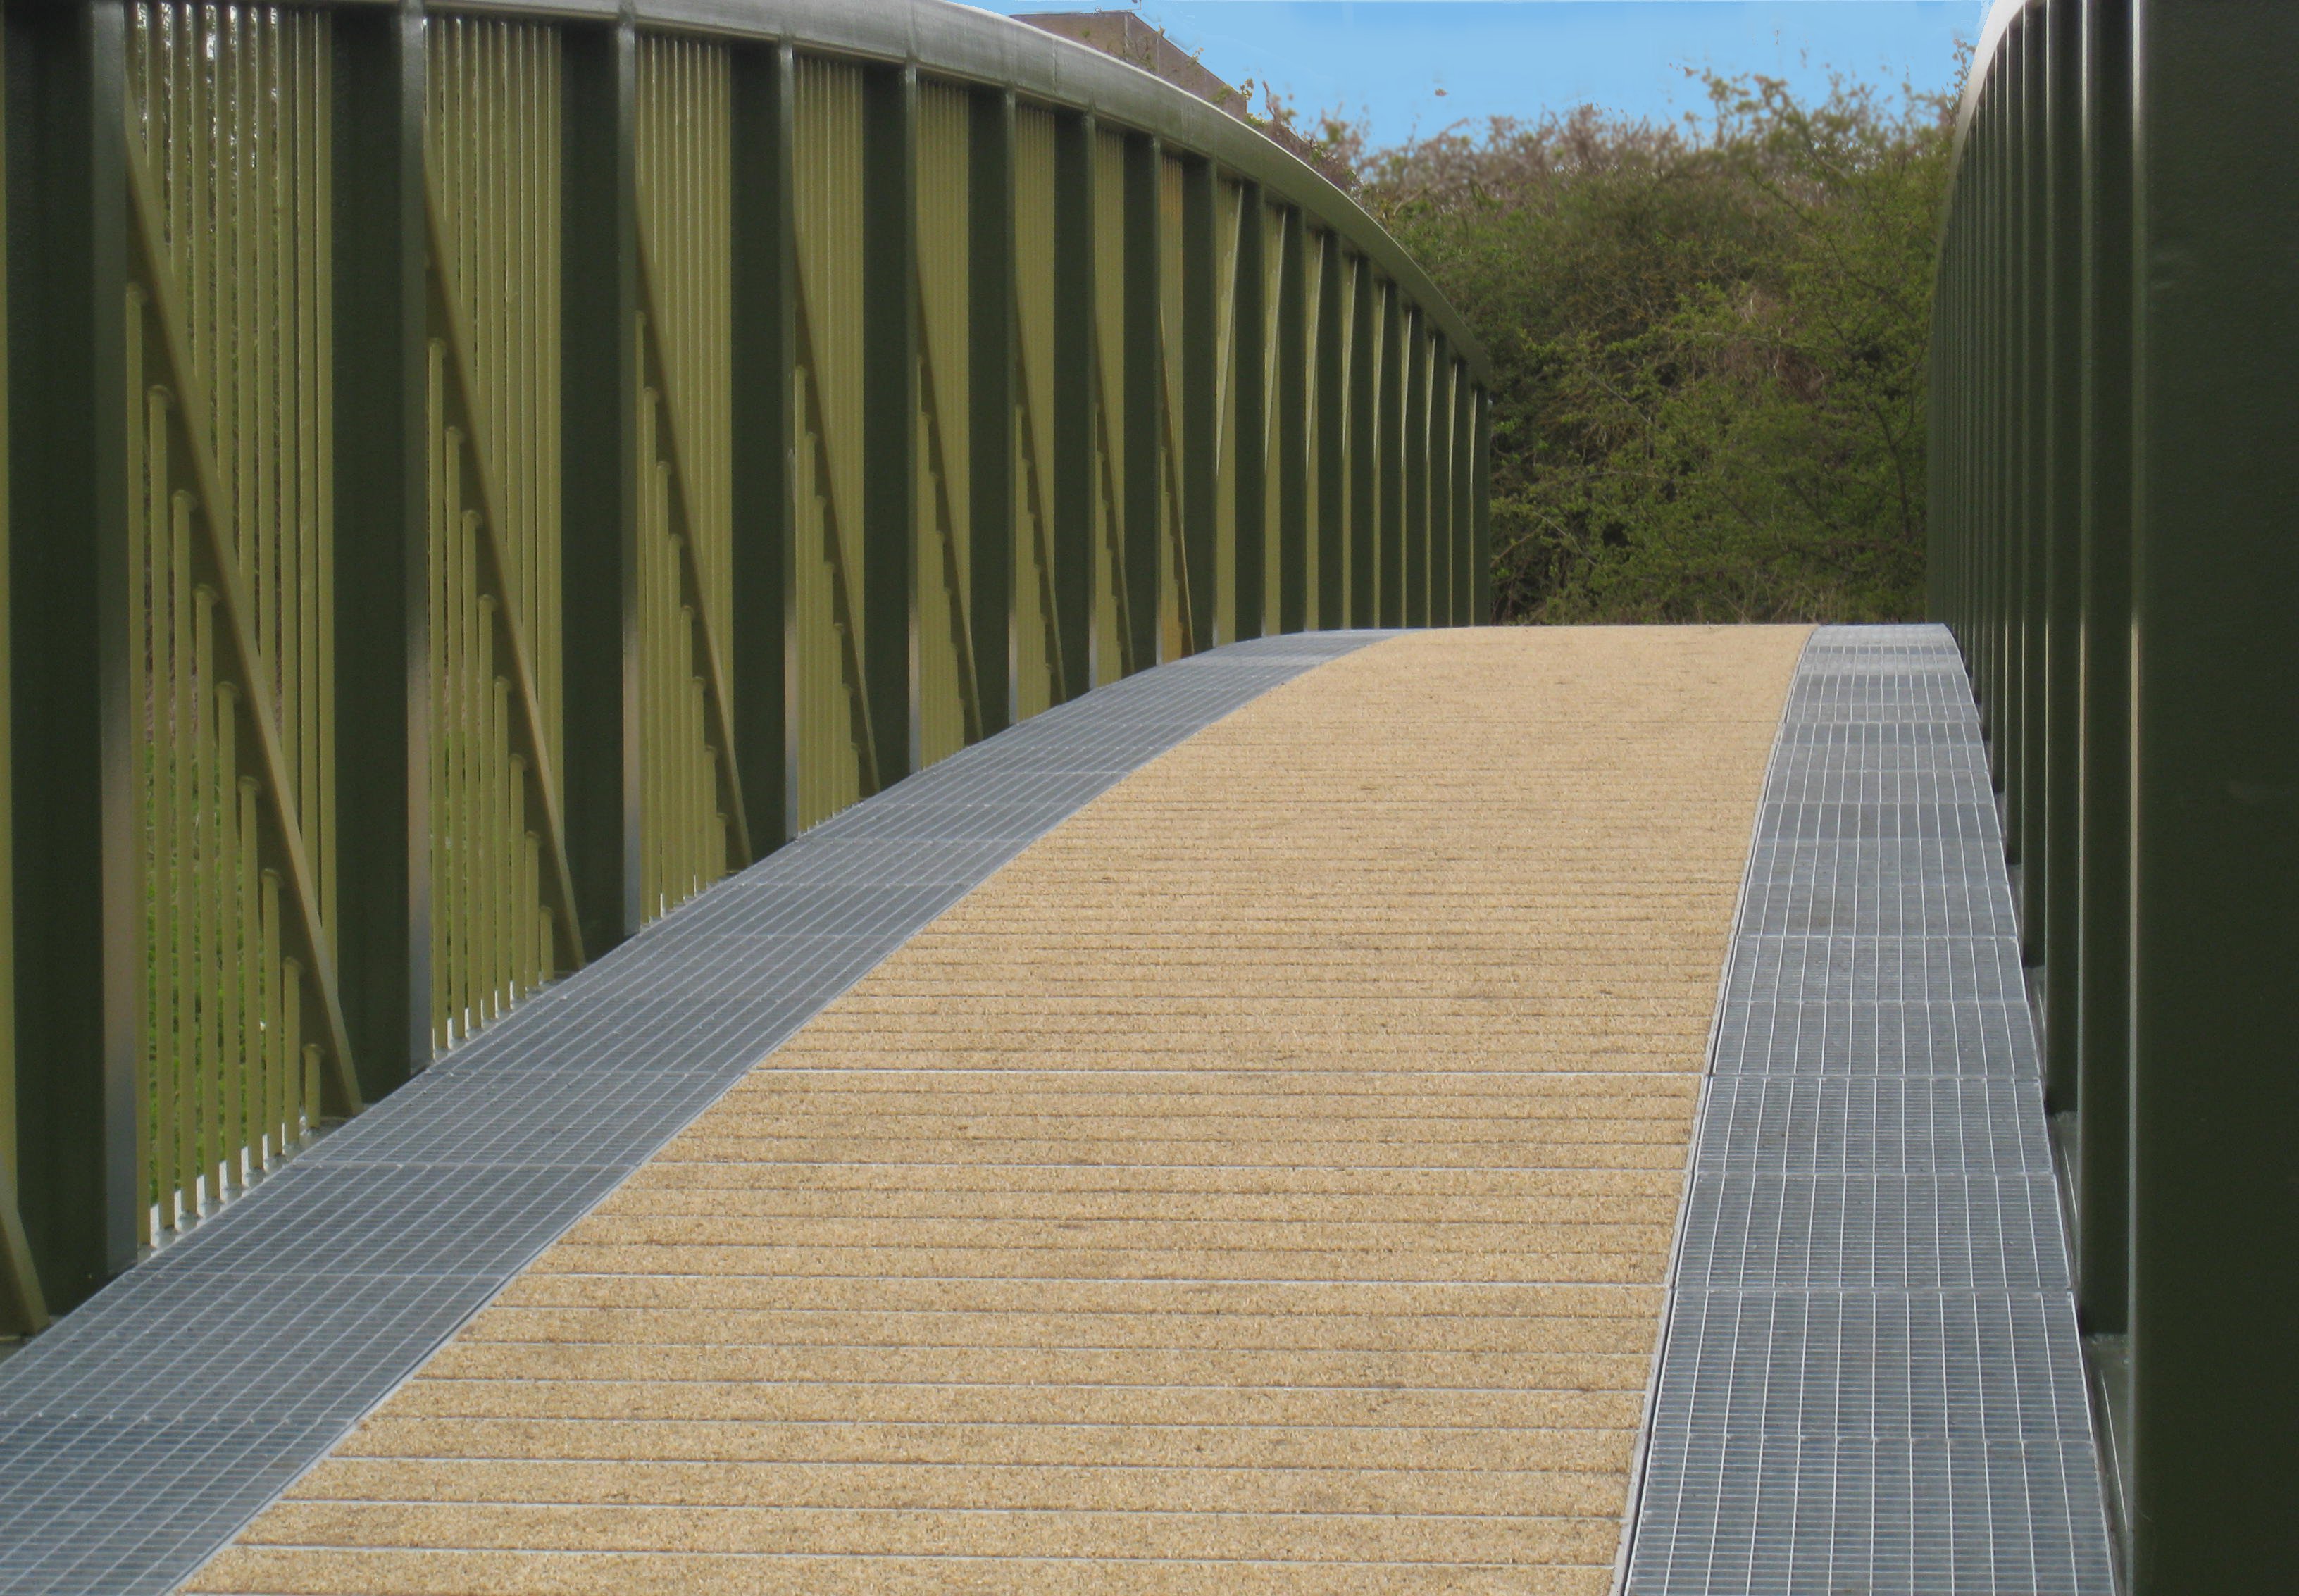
(478, 478)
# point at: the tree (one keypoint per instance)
(1708, 348)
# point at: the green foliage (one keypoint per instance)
(1708, 348)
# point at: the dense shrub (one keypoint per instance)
(1708, 347)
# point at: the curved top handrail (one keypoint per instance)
(1999, 22)
(977, 47)
(1992, 30)
(2000, 17)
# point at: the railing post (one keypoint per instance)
(2003, 708)
(2034, 531)
(1972, 382)
(2003, 686)
(2000, 714)
(23, 1305)
(2215, 812)
(1467, 577)
(2004, 415)
(1938, 514)
(1364, 454)
(78, 918)
(599, 496)
(1413, 442)
(1390, 449)
(1250, 480)
(2102, 944)
(1074, 400)
(890, 416)
(1950, 534)
(1481, 494)
(763, 334)
(1199, 426)
(1137, 430)
(2062, 554)
(383, 613)
(1440, 483)
(993, 351)
(1295, 372)
(1986, 333)
(2009, 737)
(1332, 462)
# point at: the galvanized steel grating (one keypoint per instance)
(1870, 1378)
(1856, 1036)
(424, 1206)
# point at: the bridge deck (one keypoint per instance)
(1276, 1164)
(1231, 1132)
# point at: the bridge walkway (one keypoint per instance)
(1274, 1164)
(1274, 1176)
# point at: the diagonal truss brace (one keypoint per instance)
(842, 606)
(1169, 459)
(655, 353)
(280, 834)
(946, 532)
(1113, 512)
(540, 789)
(1040, 524)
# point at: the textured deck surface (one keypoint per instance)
(1275, 1165)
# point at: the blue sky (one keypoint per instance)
(1387, 59)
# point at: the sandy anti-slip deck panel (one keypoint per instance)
(1265, 1182)
(144, 1429)
(1871, 1379)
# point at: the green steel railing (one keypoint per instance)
(476, 476)
(2115, 462)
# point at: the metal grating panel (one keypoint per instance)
(1871, 1380)
(114, 1476)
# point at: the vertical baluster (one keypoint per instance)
(470, 773)
(524, 882)
(460, 45)
(447, 885)
(143, 76)
(501, 820)
(455, 888)
(485, 735)
(649, 731)
(537, 926)
(240, 1131)
(263, 1095)
(697, 760)
(547, 392)
(261, 443)
(181, 1060)
(246, 500)
(166, 510)
(303, 1062)
(314, 368)
(146, 453)
(437, 515)
(524, 533)
(205, 1107)
(283, 1106)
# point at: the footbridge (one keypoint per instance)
(757, 842)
